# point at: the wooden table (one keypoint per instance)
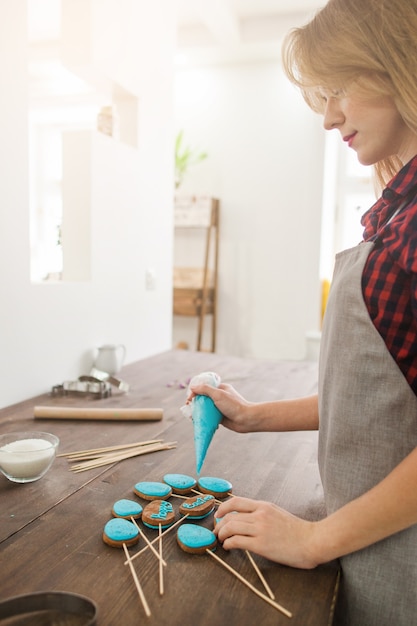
(51, 530)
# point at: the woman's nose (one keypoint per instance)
(333, 115)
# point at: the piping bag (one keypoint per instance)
(205, 415)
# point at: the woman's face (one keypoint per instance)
(372, 126)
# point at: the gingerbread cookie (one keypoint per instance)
(198, 507)
(218, 487)
(152, 490)
(180, 483)
(118, 531)
(195, 539)
(158, 513)
(127, 508)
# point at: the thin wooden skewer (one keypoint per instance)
(156, 538)
(82, 467)
(122, 446)
(137, 583)
(156, 553)
(261, 576)
(125, 454)
(248, 584)
(161, 572)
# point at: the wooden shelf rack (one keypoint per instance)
(195, 288)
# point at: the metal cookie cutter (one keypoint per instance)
(100, 375)
(84, 386)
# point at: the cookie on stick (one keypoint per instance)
(149, 490)
(126, 509)
(217, 487)
(195, 539)
(198, 507)
(200, 540)
(158, 514)
(118, 531)
(180, 483)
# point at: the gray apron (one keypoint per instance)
(368, 424)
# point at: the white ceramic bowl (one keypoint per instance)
(27, 456)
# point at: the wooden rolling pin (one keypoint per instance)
(77, 413)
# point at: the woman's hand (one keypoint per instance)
(267, 530)
(233, 407)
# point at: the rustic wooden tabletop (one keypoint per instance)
(51, 530)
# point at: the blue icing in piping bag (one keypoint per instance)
(205, 415)
(206, 419)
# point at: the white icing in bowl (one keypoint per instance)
(27, 456)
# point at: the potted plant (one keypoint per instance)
(185, 156)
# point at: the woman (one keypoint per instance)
(356, 63)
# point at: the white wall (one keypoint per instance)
(266, 166)
(48, 332)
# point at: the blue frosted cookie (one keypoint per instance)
(127, 508)
(218, 487)
(198, 507)
(152, 490)
(180, 483)
(158, 513)
(195, 539)
(118, 531)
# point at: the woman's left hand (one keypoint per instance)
(267, 530)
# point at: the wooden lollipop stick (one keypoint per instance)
(248, 584)
(157, 538)
(137, 583)
(260, 575)
(96, 451)
(161, 572)
(148, 542)
(109, 460)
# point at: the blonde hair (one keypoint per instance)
(370, 42)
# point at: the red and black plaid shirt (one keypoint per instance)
(389, 281)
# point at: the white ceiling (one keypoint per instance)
(189, 11)
(208, 32)
(201, 24)
(219, 31)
